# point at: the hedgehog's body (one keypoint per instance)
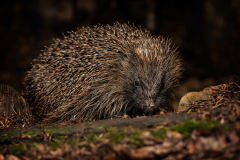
(102, 72)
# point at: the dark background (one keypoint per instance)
(207, 31)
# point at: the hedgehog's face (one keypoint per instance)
(148, 92)
(151, 76)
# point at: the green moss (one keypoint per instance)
(136, 139)
(186, 127)
(56, 143)
(159, 133)
(111, 128)
(60, 130)
(71, 142)
(61, 137)
(115, 137)
(91, 137)
(50, 131)
(100, 127)
(118, 135)
(17, 149)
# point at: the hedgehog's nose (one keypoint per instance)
(150, 109)
(150, 105)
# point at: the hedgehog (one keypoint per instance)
(104, 72)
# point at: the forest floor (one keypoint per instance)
(208, 128)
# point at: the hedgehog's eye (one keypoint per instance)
(160, 85)
(136, 83)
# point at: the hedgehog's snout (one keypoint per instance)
(149, 106)
(150, 103)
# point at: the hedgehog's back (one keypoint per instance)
(66, 68)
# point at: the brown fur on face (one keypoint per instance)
(102, 72)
